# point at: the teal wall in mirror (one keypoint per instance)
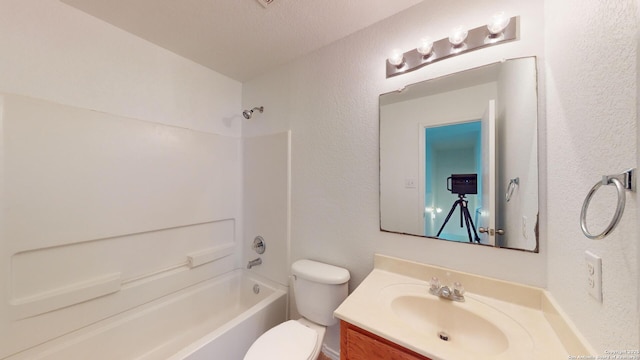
(451, 149)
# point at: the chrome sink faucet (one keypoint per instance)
(456, 293)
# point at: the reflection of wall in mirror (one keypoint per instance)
(401, 127)
(517, 92)
(450, 149)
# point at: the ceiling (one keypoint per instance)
(240, 38)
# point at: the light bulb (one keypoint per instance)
(425, 46)
(498, 23)
(458, 36)
(396, 58)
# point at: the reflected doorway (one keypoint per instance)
(450, 149)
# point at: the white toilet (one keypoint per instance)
(319, 289)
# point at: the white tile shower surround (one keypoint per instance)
(107, 213)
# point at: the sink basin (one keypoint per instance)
(470, 327)
(452, 323)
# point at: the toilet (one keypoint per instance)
(319, 289)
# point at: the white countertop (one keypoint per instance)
(534, 326)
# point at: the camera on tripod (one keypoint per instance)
(463, 184)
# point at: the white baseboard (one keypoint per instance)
(330, 353)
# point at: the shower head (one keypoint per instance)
(248, 113)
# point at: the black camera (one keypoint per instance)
(463, 184)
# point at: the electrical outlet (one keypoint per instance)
(594, 275)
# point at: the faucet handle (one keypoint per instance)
(458, 289)
(434, 284)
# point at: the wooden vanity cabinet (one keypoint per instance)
(359, 344)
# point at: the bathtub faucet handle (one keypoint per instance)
(254, 262)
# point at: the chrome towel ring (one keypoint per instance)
(622, 182)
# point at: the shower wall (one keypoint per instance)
(265, 202)
(104, 213)
(120, 172)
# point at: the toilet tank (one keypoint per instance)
(319, 289)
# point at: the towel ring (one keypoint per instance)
(622, 182)
(511, 187)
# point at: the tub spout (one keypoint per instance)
(254, 262)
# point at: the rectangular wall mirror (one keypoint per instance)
(459, 157)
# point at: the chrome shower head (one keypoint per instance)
(248, 113)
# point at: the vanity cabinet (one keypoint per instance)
(359, 344)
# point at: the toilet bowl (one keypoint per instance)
(318, 288)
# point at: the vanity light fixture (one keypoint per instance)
(458, 36)
(396, 58)
(425, 46)
(499, 30)
(498, 23)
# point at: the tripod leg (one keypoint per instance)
(470, 222)
(453, 208)
(465, 211)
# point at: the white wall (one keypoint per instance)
(638, 141)
(517, 93)
(329, 101)
(265, 205)
(55, 52)
(592, 91)
(118, 159)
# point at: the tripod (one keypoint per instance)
(464, 213)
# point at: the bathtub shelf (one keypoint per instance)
(66, 296)
(208, 255)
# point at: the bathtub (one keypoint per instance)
(216, 320)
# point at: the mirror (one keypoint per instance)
(459, 157)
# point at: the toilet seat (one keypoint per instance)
(290, 340)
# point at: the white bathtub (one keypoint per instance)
(215, 320)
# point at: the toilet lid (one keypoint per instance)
(288, 341)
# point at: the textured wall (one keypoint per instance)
(591, 115)
(329, 101)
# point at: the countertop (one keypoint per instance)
(543, 331)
